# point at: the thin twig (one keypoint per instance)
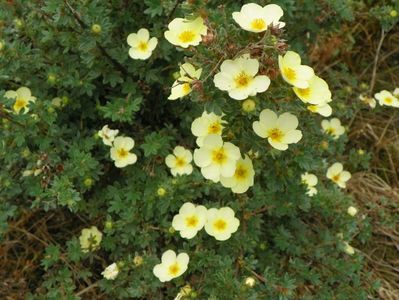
(377, 55)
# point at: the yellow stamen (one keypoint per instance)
(19, 104)
(290, 74)
(143, 46)
(336, 178)
(304, 93)
(174, 269)
(388, 100)
(192, 221)
(215, 128)
(275, 134)
(220, 225)
(180, 162)
(258, 24)
(122, 153)
(186, 88)
(241, 172)
(186, 36)
(219, 156)
(242, 80)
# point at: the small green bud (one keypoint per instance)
(176, 75)
(348, 89)
(138, 260)
(51, 110)
(161, 192)
(57, 102)
(171, 230)
(96, 28)
(274, 40)
(18, 23)
(248, 105)
(324, 145)
(174, 181)
(120, 264)
(193, 294)
(65, 100)
(393, 13)
(88, 182)
(364, 86)
(26, 152)
(263, 246)
(51, 78)
(360, 152)
(108, 224)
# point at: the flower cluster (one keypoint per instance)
(384, 98)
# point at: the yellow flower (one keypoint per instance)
(279, 131)
(243, 177)
(190, 220)
(111, 272)
(22, 98)
(171, 266)
(216, 158)
(316, 93)
(386, 98)
(90, 239)
(333, 127)
(208, 123)
(310, 180)
(221, 223)
(256, 18)
(108, 135)
(120, 152)
(352, 211)
(293, 72)
(238, 78)
(337, 174)
(182, 86)
(324, 109)
(141, 44)
(368, 100)
(184, 33)
(180, 161)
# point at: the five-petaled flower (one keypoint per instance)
(190, 220)
(243, 177)
(293, 72)
(141, 44)
(180, 161)
(221, 223)
(171, 266)
(184, 33)
(238, 77)
(279, 130)
(216, 158)
(316, 93)
(120, 152)
(386, 98)
(208, 123)
(108, 135)
(90, 239)
(337, 174)
(256, 18)
(23, 97)
(182, 86)
(333, 127)
(310, 180)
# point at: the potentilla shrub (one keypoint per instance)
(199, 150)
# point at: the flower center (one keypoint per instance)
(186, 36)
(122, 153)
(174, 269)
(304, 93)
(290, 74)
(192, 221)
(242, 80)
(180, 162)
(330, 131)
(220, 225)
(336, 178)
(258, 24)
(241, 173)
(214, 128)
(186, 88)
(143, 46)
(388, 100)
(19, 104)
(219, 156)
(276, 134)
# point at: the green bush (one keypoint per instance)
(73, 56)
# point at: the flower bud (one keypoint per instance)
(108, 224)
(96, 28)
(248, 105)
(250, 281)
(352, 211)
(138, 260)
(161, 192)
(393, 13)
(348, 249)
(88, 182)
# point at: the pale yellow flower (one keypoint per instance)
(208, 123)
(310, 180)
(184, 33)
(221, 223)
(180, 161)
(243, 177)
(333, 127)
(111, 272)
(216, 158)
(90, 239)
(182, 86)
(316, 93)
(352, 211)
(280, 131)
(368, 100)
(255, 18)
(190, 220)
(238, 77)
(293, 72)
(141, 44)
(337, 174)
(324, 110)
(348, 249)
(108, 135)
(23, 97)
(171, 266)
(386, 98)
(120, 152)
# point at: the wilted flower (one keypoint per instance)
(23, 97)
(182, 86)
(333, 127)
(368, 100)
(171, 266)
(190, 220)
(208, 123)
(293, 72)
(221, 223)
(120, 152)
(108, 135)
(216, 158)
(184, 33)
(141, 44)
(337, 174)
(279, 131)
(238, 77)
(90, 239)
(111, 272)
(256, 18)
